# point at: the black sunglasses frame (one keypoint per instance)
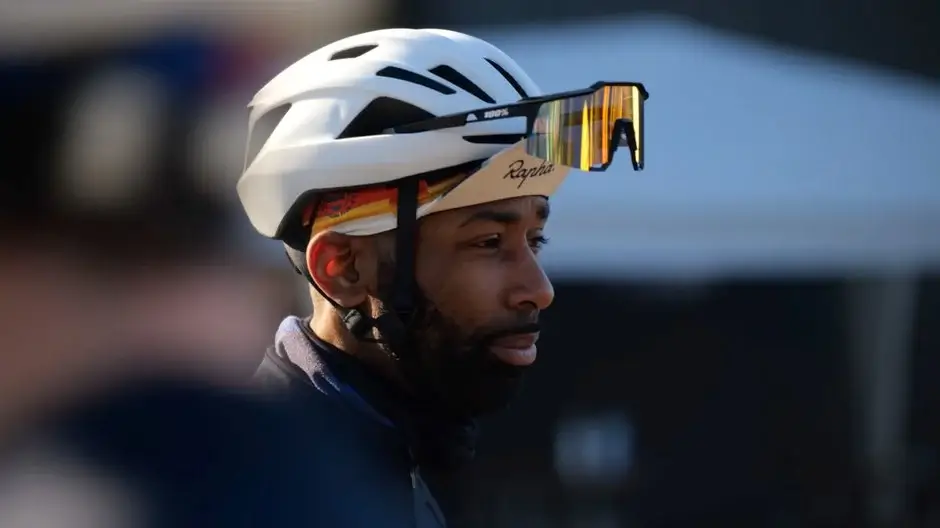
(528, 108)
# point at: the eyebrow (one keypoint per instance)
(504, 217)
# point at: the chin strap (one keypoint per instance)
(392, 325)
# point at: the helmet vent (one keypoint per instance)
(262, 130)
(459, 80)
(381, 114)
(494, 139)
(509, 78)
(415, 78)
(352, 53)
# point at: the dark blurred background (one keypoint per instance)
(745, 334)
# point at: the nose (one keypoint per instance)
(532, 287)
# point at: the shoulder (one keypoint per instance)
(171, 434)
(285, 455)
(196, 455)
(160, 414)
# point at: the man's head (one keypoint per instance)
(352, 144)
(480, 289)
(322, 174)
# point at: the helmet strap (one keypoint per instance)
(391, 326)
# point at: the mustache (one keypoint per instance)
(525, 328)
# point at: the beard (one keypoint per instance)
(452, 369)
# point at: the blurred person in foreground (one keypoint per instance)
(124, 315)
(408, 173)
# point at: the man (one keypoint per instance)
(408, 173)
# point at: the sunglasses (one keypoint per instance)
(581, 129)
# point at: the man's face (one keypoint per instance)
(481, 291)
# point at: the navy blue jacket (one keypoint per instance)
(356, 439)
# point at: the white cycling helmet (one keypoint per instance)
(320, 124)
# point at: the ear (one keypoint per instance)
(341, 266)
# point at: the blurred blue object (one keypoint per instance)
(183, 60)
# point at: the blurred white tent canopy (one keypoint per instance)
(759, 161)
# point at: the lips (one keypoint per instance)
(518, 350)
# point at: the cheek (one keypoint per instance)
(466, 293)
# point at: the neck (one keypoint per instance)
(328, 326)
